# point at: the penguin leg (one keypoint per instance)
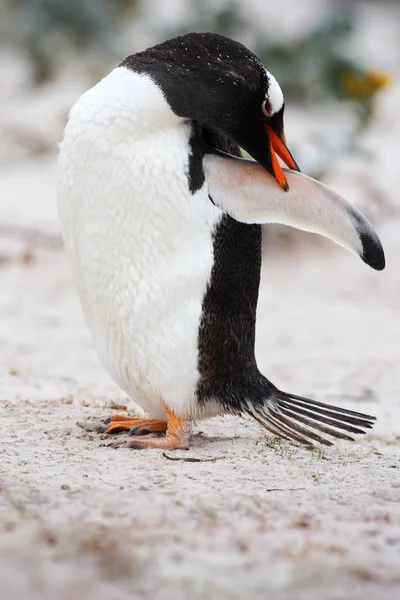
(136, 425)
(177, 436)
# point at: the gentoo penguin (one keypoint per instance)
(161, 218)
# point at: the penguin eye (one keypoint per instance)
(267, 107)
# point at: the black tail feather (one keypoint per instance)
(343, 411)
(313, 411)
(274, 426)
(320, 427)
(276, 431)
(335, 422)
(299, 418)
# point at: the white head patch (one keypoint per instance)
(275, 95)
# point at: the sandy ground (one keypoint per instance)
(259, 518)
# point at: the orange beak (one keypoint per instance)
(278, 147)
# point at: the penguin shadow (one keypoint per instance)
(202, 440)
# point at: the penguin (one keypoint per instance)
(162, 218)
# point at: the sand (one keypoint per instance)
(258, 517)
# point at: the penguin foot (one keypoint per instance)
(163, 443)
(177, 435)
(135, 425)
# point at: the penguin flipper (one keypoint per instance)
(300, 419)
(249, 194)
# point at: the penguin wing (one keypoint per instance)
(249, 194)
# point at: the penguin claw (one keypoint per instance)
(114, 428)
(118, 445)
(149, 427)
(134, 430)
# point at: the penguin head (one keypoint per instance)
(219, 83)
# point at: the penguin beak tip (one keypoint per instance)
(278, 147)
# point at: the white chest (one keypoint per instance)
(140, 244)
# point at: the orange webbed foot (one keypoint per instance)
(177, 435)
(137, 425)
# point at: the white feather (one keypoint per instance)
(140, 243)
(275, 94)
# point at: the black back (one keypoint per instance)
(227, 330)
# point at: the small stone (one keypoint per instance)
(27, 257)
(65, 487)
(392, 541)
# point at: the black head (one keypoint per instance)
(218, 82)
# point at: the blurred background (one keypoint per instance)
(337, 62)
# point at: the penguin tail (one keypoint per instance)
(301, 419)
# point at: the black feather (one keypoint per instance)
(284, 415)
